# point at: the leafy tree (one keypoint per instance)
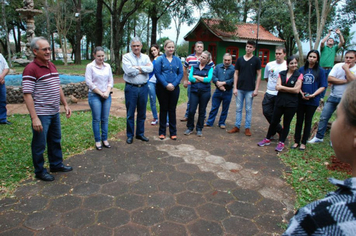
(160, 8)
(120, 11)
(181, 15)
(322, 11)
(182, 49)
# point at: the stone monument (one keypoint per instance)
(29, 12)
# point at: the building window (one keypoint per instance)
(263, 54)
(212, 50)
(234, 52)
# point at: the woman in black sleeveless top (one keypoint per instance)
(288, 86)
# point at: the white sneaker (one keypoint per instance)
(154, 122)
(316, 140)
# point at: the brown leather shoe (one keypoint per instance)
(184, 119)
(234, 130)
(248, 132)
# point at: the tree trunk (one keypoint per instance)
(17, 46)
(295, 33)
(99, 24)
(53, 49)
(47, 20)
(78, 35)
(148, 35)
(327, 6)
(6, 34)
(309, 26)
(154, 20)
(87, 50)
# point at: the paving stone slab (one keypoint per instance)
(269, 223)
(115, 189)
(77, 179)
(206, 228)
(55, 190)
(131, 230)
(169, 228)
(78, 218)
(57, 231)
(181, 214)
(7, 203)
(98, 202)
(31, 204)
(115, 169)
(198, 186)
(17, 231)
(213, 212)
(243, 209)
(42, 220)
(95, 230)
(240, 226)
(10, 220)
(65, 203)
(190, 199)
(143, 187)
(161, 200)
(180, 176)
(187, 168)
(147, 216)
(164, 168)
(27, 190)
(102, 178)
(219, 197)
(113, 218)
(86, 189)
(247, 195)
(171, 187)
(154, 177)
(130, 201)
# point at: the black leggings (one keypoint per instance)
(288, 114)
(304, 113)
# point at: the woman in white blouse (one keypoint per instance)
(98, 77)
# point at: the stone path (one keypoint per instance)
(219, 184)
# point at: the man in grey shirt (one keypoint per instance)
(136, 68)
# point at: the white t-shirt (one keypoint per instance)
(3, 63)
(339, 73)
(272, 70)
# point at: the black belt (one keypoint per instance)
(136, 85)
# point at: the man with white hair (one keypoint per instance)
(136, 68)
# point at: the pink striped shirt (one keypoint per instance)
(42, 81)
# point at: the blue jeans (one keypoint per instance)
(152, 95)
(219, 97)
(322, 95)
(328, 110)
(241, 96)
(3, 111)
(200, 98)
(51, 135)
(188, 103)
(100, 109)
(135, 97)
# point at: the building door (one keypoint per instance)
(234, 52)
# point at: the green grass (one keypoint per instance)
(309, 174)
(15, 144)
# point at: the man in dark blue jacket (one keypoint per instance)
(223, 78)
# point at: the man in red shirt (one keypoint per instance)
(42, 94)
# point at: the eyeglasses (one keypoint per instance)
(46, 49)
